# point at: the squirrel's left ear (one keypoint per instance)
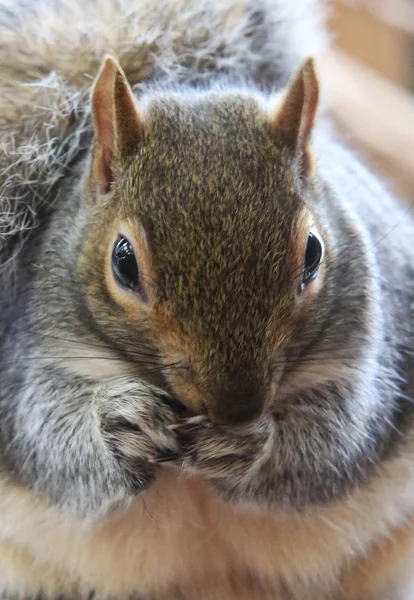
(117, 124)
(294, 115)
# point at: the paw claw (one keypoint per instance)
(197, 419)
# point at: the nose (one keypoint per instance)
(236, 408)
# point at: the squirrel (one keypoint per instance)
(206, 313)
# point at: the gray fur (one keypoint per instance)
(91, 442)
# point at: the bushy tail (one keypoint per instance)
(161, 38)
(50, 50)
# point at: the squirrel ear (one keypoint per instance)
(115, 118)
(295, 115)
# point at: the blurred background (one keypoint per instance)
(370, 77)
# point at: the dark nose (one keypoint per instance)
(236, 408)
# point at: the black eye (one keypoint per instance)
(313, 258)
(124, 265)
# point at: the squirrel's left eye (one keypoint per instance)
(313, 258)
(125, 266)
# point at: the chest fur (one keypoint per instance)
(180, 535)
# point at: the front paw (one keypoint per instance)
(229, 456)
(137, 425)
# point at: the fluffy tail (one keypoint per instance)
(50, 51)
(158, 38)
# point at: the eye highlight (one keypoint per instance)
(314, 254)
(125, 266)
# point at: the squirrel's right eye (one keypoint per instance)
(313, 258)
(124, 265)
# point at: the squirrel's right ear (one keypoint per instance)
(294, 115)
(116, 120)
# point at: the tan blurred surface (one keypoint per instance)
(370, 74)
(376, 36)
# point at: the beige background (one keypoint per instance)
(370, 73)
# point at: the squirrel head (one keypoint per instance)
(203, 254)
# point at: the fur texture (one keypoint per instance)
(50, 52)
(107, 486)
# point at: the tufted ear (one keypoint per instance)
(117, 124)
(294, 116)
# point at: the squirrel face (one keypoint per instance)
(202, 252)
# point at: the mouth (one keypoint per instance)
(235, 413)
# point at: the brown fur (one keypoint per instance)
(183, 322)
(216, 312)
(50, 52)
